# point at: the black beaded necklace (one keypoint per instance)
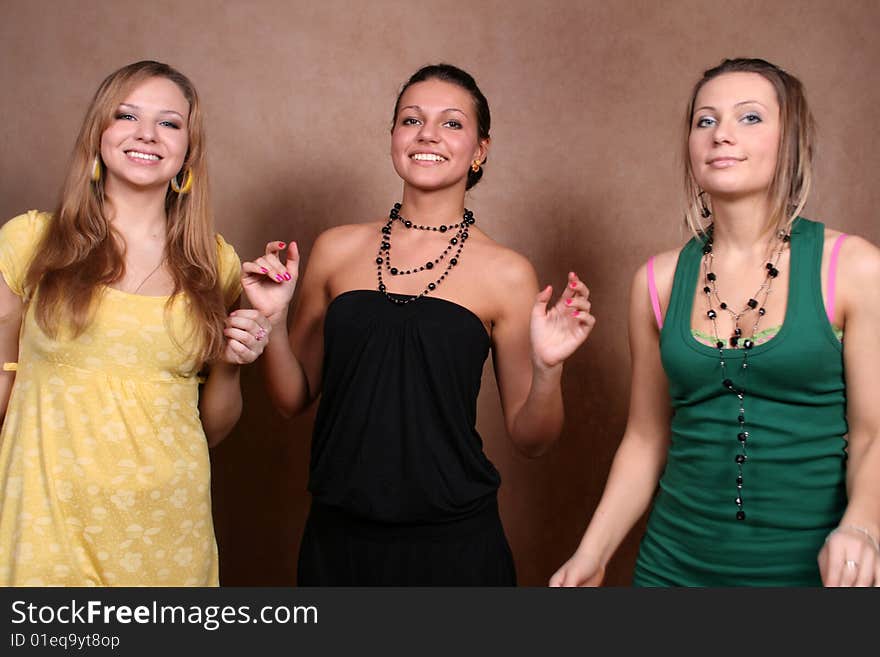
(753, 304)
(383, 258)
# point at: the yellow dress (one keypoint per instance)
(104, 468)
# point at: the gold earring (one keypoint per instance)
(475, 167)
(96, 169)
(187, 183)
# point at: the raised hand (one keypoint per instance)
(556, 332)
(268, 284)
(247, 332)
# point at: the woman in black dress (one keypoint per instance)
(392, 327)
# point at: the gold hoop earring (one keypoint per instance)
(475, 167)
(187, 183)
(96, 169)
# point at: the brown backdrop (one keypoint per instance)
(586, 99)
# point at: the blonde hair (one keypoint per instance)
(794, 162)
(80, 252)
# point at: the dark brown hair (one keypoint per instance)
(453, 74)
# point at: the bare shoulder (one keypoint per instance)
(858, 258)
(342, 245)
(343, 240)
(510, 269)
(858, 277)
(663, 265)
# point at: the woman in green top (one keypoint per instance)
(758, 422)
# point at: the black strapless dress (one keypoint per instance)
(402, 491)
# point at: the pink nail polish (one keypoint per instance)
(568, 302)
(280, 245)
(575, 313)
(572, 285)
(287, 276)
(278, 277)
(264, 270)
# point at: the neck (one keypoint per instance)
(136, 213)
(432, 208)
(741, 225)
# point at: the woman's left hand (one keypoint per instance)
(557, 332)
(247, 332)
(849, 558)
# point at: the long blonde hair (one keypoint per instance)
(79, 251)
(794, 162)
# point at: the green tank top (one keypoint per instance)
(794, 479)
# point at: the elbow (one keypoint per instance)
(534, 439)
(533, 451)
(286, 408)
(535, 445)
(218, 426)
(289, 405)
(285, 412)
(214, 439)
(216, 434)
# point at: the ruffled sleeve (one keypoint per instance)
(19, 238)
(229, 268)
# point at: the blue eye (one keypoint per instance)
(705, 121)
(170, 124)
(751, 117)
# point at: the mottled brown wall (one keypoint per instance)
(586, 100)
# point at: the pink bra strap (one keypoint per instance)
(832, 276)
(652, 290)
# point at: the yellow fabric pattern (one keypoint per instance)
(104, 468)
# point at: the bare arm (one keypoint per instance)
(293, 357)
(246, 334)
(639, 460)
(856, 537)
(530, 344)
(10, 326)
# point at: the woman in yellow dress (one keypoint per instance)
(110, 309)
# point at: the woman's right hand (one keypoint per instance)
(583, 569)
(268, 284)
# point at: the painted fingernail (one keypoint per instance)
(568, 302)
(279, 277)
(572, 285)
(264, 270)
(287, 276)
(280, 245)
(575, 313)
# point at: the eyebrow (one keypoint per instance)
(742, 102)
(448, 109)
(160, 111)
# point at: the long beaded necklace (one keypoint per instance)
(383, 258)
(756, 302)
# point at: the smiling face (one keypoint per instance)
(435, 136)
(734, 135)
(146, 142)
